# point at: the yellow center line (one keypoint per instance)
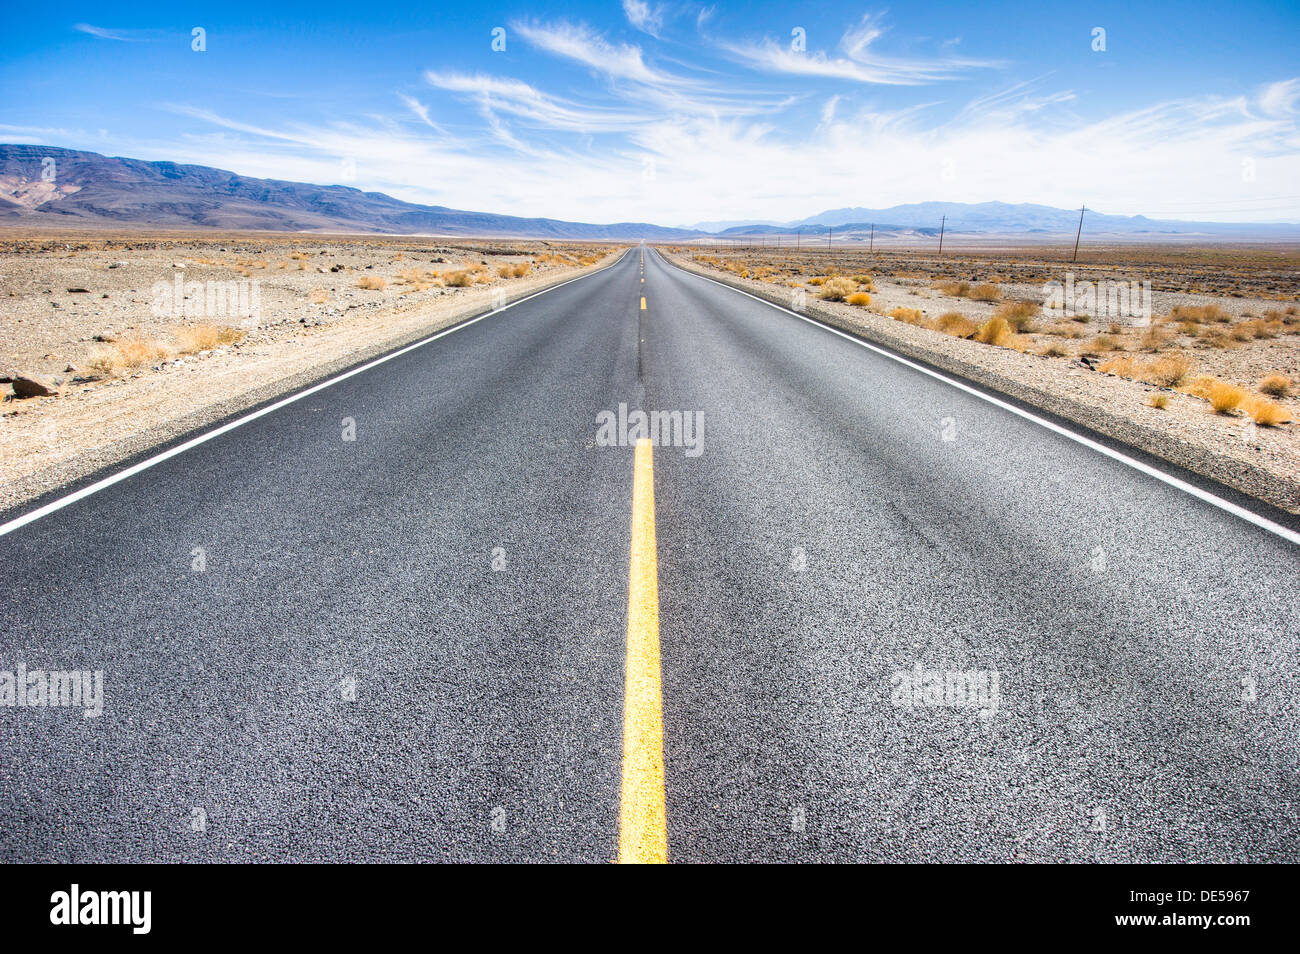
(643, 302)
(643, 820)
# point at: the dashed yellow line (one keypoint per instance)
(643, 820)
(643, 302)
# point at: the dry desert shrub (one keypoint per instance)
(911, 316)
(1064, 329)
(995, 331)
(1265, 412)
(1104, 343)
(1256, 329)
(837, 289)
(1224, 397)
(1055, 351)
(127, 354)
(319, 296)
(1018, 314)
(460, 279)
(371, 282)
(860, 299)
(1123, 366)
(985, 292)
(956, 324)
(1278, 385)
(520, 269)
(1166, 372)
(1201, 313)
(194, 338)
(1159, 401)
(1153, 339)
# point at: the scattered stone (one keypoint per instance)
(33, 385)
(78, 291)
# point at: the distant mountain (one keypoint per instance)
(90, 190)
(1003, 217)
(717, 227)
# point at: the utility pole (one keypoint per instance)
(798, 239)
(830, 230)
(1077, 234)
(872, 248)
(942, 223)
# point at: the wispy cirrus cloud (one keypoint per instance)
(502, 94)
(1280, 99)
(859, 62)
(104, 33)
(581, 44)
(420, 110)
(646, 17)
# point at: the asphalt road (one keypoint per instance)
(410, 645)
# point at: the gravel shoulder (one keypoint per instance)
(314, 322)
(1263, 462)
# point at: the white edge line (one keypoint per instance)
(121, 475)
(1248, 515)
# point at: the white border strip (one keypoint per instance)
(1204, 495)
(109, 481)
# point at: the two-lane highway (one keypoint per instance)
(412, 644)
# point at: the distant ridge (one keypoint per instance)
(89, 190)
(1002, 218)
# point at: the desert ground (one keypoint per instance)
(128, 363)
(1212, 371)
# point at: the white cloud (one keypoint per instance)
(102, 32)
(644, 16)
(420, 110)
(581, 44)
(859, 64)
(501, 94)
(1279, 99)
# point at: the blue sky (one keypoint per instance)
(684, 112)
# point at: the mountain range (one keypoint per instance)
(56, 187)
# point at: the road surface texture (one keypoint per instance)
(411, 645)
